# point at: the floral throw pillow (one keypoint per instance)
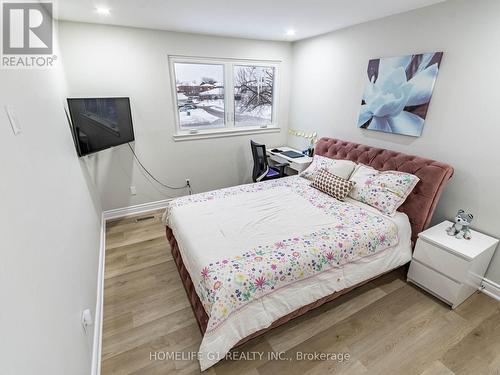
(332, 185)
(385, 191)
(341, 168)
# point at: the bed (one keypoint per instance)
(254, 256)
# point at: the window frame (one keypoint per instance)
(230, 128)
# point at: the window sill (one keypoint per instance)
(220, 133)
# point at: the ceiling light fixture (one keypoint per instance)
(102, 11)
(290, 32)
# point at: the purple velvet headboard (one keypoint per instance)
(421, 203)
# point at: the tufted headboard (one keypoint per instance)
(421, 203)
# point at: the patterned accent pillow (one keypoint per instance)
(333, 185)
(385, 191)
(341, 168)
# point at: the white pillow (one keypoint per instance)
(385, 191)
(340, 168)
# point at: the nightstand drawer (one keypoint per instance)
(434, 282)
(441, 260)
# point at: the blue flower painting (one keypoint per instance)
(398, 92)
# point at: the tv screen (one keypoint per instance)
(100, 123)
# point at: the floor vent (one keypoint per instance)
(144, 218)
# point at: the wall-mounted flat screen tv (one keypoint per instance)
(100, 123)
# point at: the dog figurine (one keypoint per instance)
(460, 229)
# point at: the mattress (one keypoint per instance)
(217, 231)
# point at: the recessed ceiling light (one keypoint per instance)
(103, 11)
(291, 32)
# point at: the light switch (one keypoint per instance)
(14, 123)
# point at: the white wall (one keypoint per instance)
(119, 61)
(329, 74)
(49, 232)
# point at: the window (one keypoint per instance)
(253, 95)
(200, 95)
(223, 96)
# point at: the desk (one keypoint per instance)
(296, 164)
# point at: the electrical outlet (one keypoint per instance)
(87, 320)
(133, 190)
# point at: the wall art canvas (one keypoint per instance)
(398, 92)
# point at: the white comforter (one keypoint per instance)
(219, 232)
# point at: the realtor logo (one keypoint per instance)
(27, 35)
(27, 28)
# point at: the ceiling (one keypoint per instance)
(256, 19)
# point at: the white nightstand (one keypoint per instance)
(450, 268)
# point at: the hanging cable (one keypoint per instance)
(154, 178)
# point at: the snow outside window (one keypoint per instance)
(223, 95)
(253, 95)
(200, 95)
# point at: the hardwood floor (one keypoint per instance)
(386, 326)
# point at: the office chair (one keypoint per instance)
(261, 169)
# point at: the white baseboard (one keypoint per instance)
(490, 288)
(96, 347)
(133, 210)
(98, 318)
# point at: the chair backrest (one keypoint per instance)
(259, 160)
